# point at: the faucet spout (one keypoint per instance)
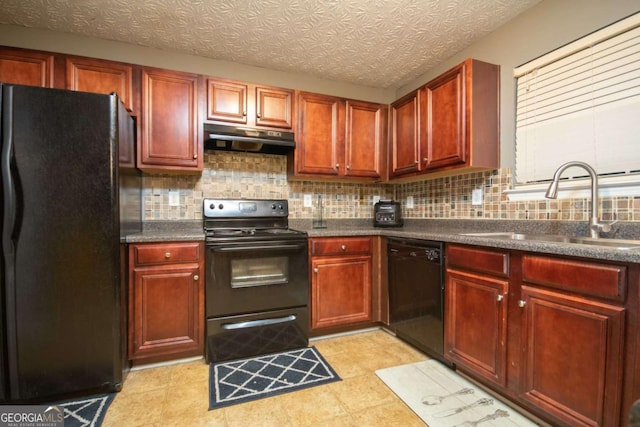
(552, 192)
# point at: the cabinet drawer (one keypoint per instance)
(478, 259)
(589, 278)
(166, 253)
(340, 246)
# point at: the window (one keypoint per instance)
(582, 102)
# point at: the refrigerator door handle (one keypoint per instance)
(8, 225)
(8, 185)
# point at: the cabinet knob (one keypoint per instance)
(259, 115)
(196, 277)
(195, 156)
(343, 247)
(348, 167)
(424, 160)
(167, 255)
(315, 270)
(500, 297)
(522, 303)
(415, 162)
(244, 113)
(337, 165)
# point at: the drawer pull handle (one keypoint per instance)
(500, 298)
(343, 247)
(167, 255)
(196, 277)
(522, 303)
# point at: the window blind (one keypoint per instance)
(581, 102)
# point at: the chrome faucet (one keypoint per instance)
(595, 227)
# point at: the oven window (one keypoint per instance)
(248, 272)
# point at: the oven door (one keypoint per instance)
(248, 277)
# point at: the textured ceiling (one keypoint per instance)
(378, 43)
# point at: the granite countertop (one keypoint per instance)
(444, 230)
(168, 231)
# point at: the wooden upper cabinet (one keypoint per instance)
(319, 141)
(274, 107)
(339, 138)
(248, 104)
(25, 67)
(461, 117)
(451, 122)
(227, 101)
(365, 139)
(405, 135)
(442, 117)
(171, 138)
(98, 76)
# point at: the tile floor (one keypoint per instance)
(177, 395)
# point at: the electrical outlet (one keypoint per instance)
(376, 199)
(476, 197)
(174, 198)
(307, 201)
(409, 202)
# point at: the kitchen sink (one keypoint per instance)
(621, 244)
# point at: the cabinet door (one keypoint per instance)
(167, 315)
(340, 290)
(572, 357)
(27, 68)
(170, 137)
(476, 324)
(319, 147)
(274, 107)
(405, 135)
(96, 76)
(364, 139)
(443, 118)
(227, 101)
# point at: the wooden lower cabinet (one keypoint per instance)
(341, 281)
(166, 301)
(572, 358)
(476, 324)
(549, 332)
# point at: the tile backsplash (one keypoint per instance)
(263, 176)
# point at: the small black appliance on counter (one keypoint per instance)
(387, 213)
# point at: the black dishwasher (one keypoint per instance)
(416, 293)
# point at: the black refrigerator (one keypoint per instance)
(68, 199)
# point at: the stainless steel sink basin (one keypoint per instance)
(603, 242)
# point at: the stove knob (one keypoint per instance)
(212, 206)
(280, 206)
(220, 206)
(273, 206)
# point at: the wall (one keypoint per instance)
(243, 175)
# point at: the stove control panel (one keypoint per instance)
(242, 208)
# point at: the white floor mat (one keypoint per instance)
(443, 398)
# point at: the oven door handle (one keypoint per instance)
(261, 322)
(258, 248)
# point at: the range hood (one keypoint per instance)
(236, 138)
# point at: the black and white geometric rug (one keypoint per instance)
(86, 411)
(254, 378)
